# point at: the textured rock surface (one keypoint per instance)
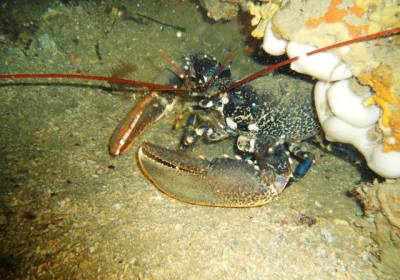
(322, 23)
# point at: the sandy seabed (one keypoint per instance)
(71, 211)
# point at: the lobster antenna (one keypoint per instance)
(148, 86)
(288, 61)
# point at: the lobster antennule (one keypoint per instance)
(288, 61)
(173, 64)
(216, 73)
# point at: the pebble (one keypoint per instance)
(178, 227)
(116, 206)
(328, 236)
(341, 222)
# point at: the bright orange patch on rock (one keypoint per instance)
(380, 81)
(334, 14)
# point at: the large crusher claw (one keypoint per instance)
(150, 109)
(222, 182)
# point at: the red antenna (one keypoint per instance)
(150, 86)
(288, 61)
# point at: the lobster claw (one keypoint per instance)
(222, 182)
(150, 109)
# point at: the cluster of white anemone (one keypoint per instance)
(341, 112)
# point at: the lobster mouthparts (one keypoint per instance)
(222, 182)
